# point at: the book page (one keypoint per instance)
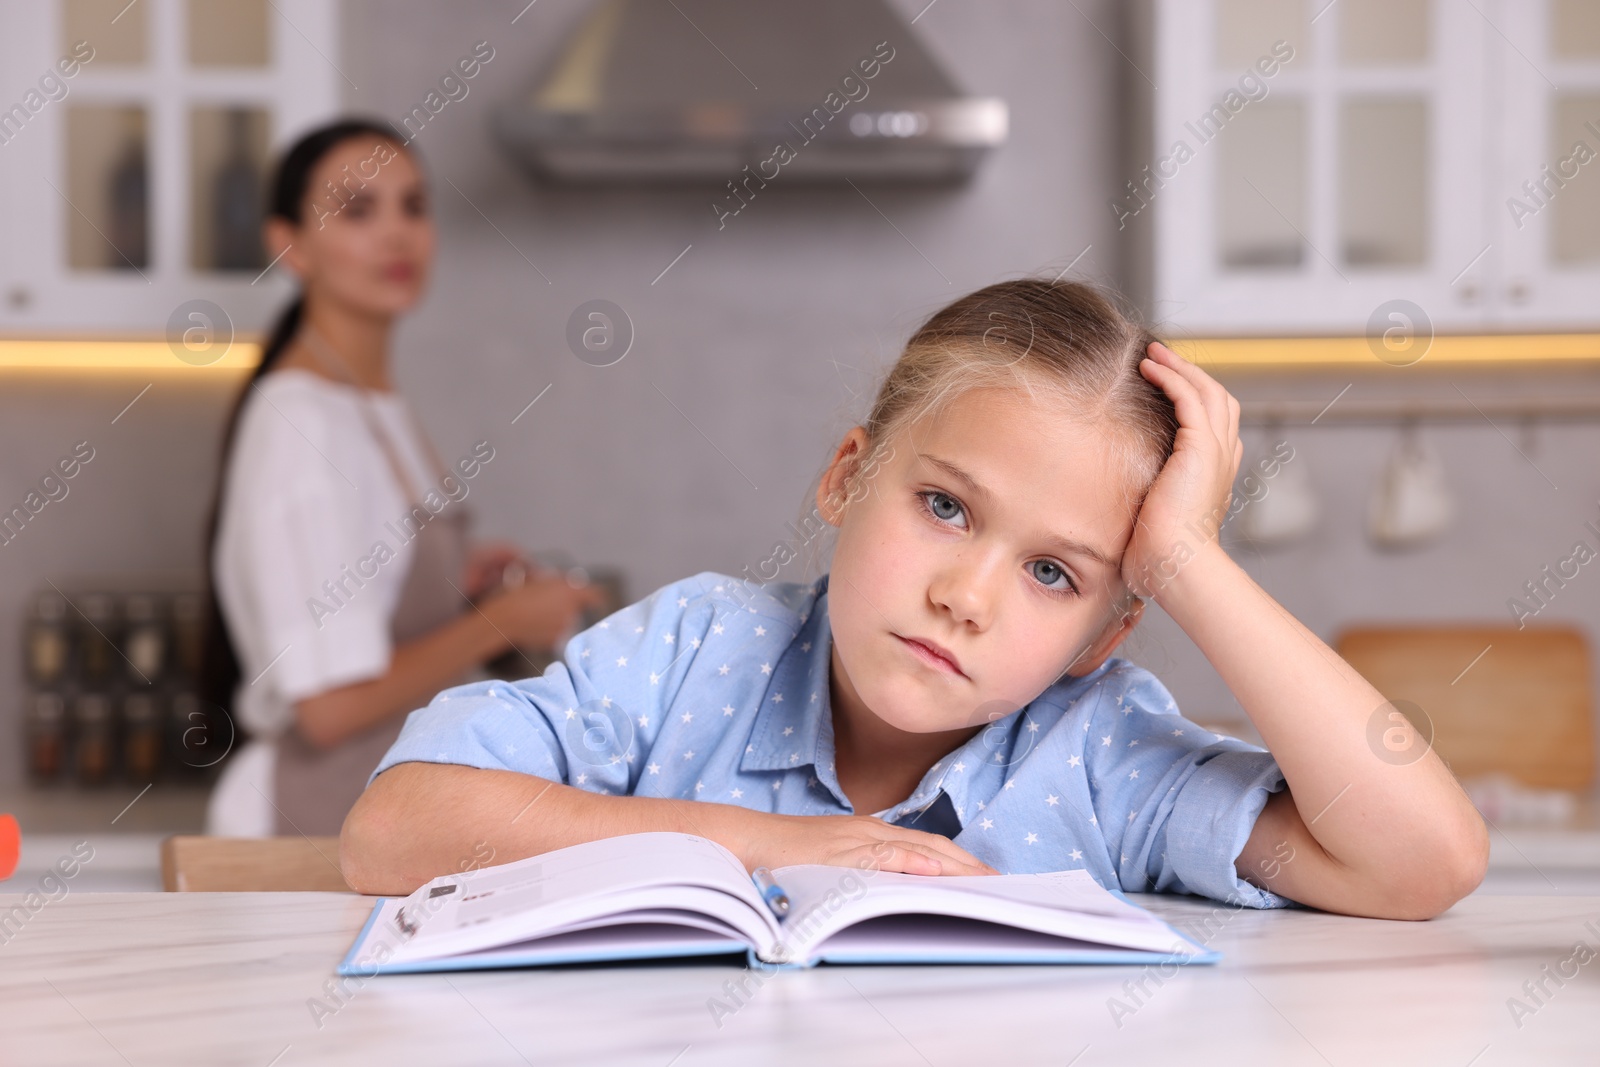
(597, 880)
(944, 939)
(1070, 904)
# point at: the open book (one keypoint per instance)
(655, 895)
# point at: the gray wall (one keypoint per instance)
(768, 336)
(764, 334)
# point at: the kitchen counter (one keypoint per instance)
(248, 979)
(166, 808)
(123, 825)
(1523, 859)
(1534, 858)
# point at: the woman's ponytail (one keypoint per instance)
(219, 663)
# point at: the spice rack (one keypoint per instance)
(112, 690)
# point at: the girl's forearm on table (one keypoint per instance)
(417, 821)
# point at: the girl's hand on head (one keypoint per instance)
(1185, 506)
(860, 841)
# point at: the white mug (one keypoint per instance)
(1412, 503)
(1287, 509)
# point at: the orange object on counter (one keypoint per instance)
(10, 845)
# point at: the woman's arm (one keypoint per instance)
(535, 614)
(1367, 836)
(417, 821)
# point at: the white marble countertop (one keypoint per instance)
(169, 979)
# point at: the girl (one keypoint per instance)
(339, 562)
(946, 700)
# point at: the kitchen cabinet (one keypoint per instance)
(1548, 207)
(1350, 167)
(135, 140)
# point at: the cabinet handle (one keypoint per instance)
(1469, 292)
(1517, 292)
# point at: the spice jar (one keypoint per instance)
(141, 736)
(188, 633)
(47, 736)
(97, 635)
(145, 638)
(48, 640)
(92, 738)
(199, 735)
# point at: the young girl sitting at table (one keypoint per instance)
(945, 700)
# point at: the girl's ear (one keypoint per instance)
(833, 491)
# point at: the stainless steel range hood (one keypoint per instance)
(648, 91)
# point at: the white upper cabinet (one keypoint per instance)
(135, 142)
(1311, 163)
(1547, 204)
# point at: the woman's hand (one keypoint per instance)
(485, 565)
(852, 841)
(1185, 506)
(542, 610)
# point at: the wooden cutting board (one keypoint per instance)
(1523, 707)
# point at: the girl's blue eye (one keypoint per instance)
(1047, 572)
(942, 506)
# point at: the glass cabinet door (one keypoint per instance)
(1326, 159)
(1546, 196)
(135, 184)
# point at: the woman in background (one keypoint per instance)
(340, 598)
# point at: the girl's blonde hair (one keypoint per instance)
(1067, 339)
